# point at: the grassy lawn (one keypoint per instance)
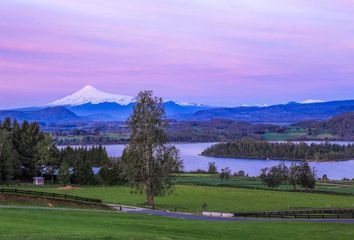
(190, 198)
(18, 224)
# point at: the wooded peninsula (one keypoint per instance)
(259, 149)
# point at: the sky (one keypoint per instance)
(216, 52)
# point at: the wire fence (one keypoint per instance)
(308, 213)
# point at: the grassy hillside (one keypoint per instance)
(43, 224)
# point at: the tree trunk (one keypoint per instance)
(149, 193)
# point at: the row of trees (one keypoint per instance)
(23, 149)
(297, 174)
(76, 165)
(26, 152)
(249, 148)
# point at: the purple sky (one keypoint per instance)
(220, 52)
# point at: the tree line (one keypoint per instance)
(26, 152)
(259, 149)
(297, 174)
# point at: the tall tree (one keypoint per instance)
(26, 145)
(294, 175)
(64, 173)
(83, 173)
(307, 176)
(6, 157)
(47, 155)
(212, 169)
(148, 161)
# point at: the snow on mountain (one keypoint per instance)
(90, 94)
(188, 104)
(307, 101)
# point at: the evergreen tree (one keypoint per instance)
(6, 158)
(113, 174)
(7, 124)
(83, 173)
(47, 156)
(25, 144)
(64, 173)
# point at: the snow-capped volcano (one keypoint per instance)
(90, 94)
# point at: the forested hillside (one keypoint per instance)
(341, 126)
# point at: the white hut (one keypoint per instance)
(38, 181)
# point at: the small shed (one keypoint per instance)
(38, 181)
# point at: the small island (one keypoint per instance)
(260, 149)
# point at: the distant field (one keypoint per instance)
(191, 198)
(68, 225)
(214, 180)
(295, 134)
(103, 138)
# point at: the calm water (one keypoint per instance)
(192, 161)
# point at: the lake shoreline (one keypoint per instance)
(190, 154)
(277, 159)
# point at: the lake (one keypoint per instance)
(189, 153)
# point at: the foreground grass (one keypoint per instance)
(191, 198)
(18, 224)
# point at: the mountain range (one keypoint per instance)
(91, 104)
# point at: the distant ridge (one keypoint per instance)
(91, 104)
(281, 113)
(47, 115)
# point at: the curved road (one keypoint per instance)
(179, 215)
(189, 216)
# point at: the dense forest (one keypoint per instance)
(258, 149)
(26, 151)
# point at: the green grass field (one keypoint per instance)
(214, 180)
(294, 134)
(191, 198)
(19, 224)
